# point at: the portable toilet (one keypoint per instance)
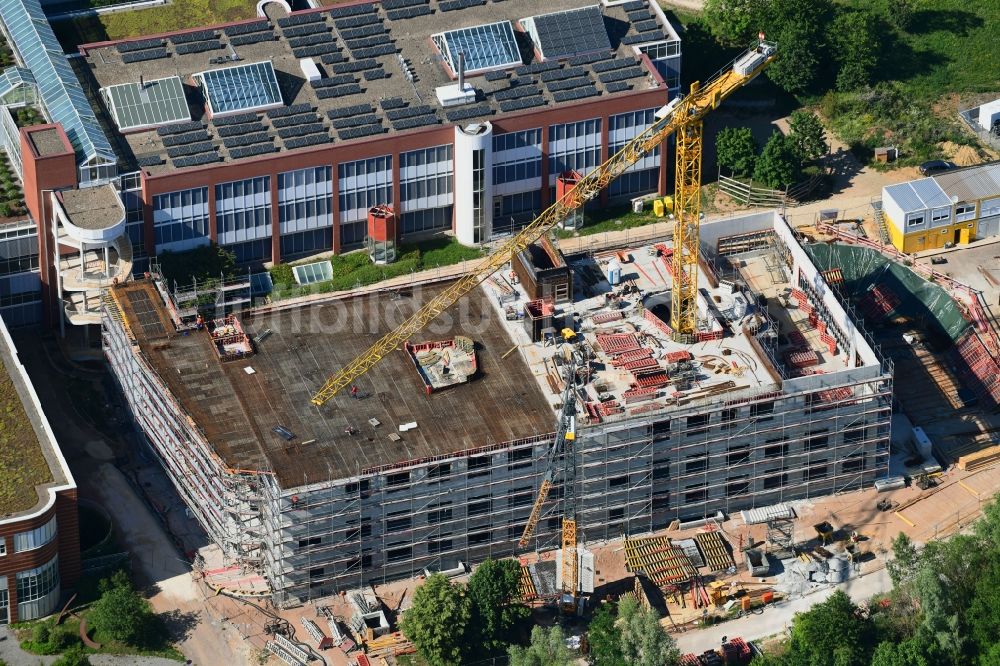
(614, 272)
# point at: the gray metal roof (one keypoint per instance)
(61, 92)
(981, 182)
(151, 103)
(918, 195)
(764, 514)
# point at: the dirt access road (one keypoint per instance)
(687, 5)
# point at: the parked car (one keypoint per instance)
(936, 165)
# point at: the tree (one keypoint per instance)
(121, 613)
(830, 634)
(644, 642)
(736, 149)
(74, 656)
(904, 560)
(547, 648)
(495, 610)
(806, 130)
(438, 620)
(604, 638)
(734, 22)
(900, 13)
(800, 28)
(855, 41)
(779, 163)
(906, 653)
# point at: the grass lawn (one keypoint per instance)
(950, 48)
(176, 15)
(356, 269)
(22, 464)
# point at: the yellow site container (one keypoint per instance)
(668, 204)
(657, 208)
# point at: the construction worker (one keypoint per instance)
(354, 391)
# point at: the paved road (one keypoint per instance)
(778, 617)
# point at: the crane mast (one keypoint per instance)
(682, 116)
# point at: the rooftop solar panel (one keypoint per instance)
(640, 15)
(250, 151)
(645, 26)
(408, 13)
(374, 51)
(469, 112)
(331, 58)
(198, 47)
(357, 21)
(303, 30)
(566, 33)
(345, 111)
(400, 4)
(496, 75)
(588, 58)
(236, 119)
(642, 38)
(633, 6)
(356, 66)
(299, 19)
(288, 121)
(139, 45)
(141, 56)
(397, 114)
(336, 80)
(576, 93)
(254, 38)
(522, 103)
(568, 73)
(351, 10)
(195, 160)
(197, 36)
(364, 31)
(339, 91)
(178, 128)
(246, 28)
(241, 128)
(309, 40)
(246, 139)
(187, 137)
(233, 89)
(393, 103)
(617, 86)
(358, 132)
(149, 160)
(292, 110)
(416, 121)
(156, 102)
(514, 93)
(310, 140)
(621, 74)
(617, 63)
(364, 42)
(490, 46)
(354, 121)
(315, 50)
(536, 67)
(190, 149)
(301, 130)
(375, 74)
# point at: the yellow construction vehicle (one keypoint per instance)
(682, 117)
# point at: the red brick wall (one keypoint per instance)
(46, 173)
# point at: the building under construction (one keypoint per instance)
(782, 397)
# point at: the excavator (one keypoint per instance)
(682, 118)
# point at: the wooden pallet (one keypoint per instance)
(979, 460)
(713, 547)
(660, 560)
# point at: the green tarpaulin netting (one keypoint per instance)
(864, 269)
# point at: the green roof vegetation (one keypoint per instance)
(176, 15)
(22, 464)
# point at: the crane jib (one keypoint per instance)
(686, 113)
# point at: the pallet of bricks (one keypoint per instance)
(973, 462)
(735, 652)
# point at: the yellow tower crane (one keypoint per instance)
(683, 117)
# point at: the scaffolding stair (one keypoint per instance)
(883, 230)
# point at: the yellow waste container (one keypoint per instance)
(668, 204)
(657, 208)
